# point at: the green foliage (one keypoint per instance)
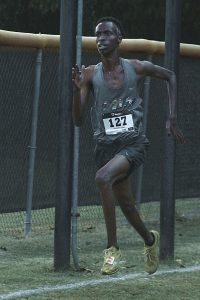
(191, 22)
(140, 18)
(44, 6)
(30, 16)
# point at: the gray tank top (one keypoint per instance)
(117, 113)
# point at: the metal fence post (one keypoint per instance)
(62, 233)
(138, 192)
(32, 146)
(76, 147)
(167, 205)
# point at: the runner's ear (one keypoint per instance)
(119, 39)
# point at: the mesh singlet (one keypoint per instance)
(116, 113)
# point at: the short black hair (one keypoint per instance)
(113, 20)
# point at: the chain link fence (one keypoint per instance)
(17, 73)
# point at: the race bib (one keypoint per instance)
(117, 123)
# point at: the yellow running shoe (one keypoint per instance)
(111, 262)
(151, 255)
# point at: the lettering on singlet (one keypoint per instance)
(119, 119)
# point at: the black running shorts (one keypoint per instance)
(135, 151)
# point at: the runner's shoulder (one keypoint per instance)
(89, 71)
(136, 62)
(140, 65)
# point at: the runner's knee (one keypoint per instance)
(102, 178)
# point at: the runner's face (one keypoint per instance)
(107, 37)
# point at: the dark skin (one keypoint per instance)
(110, 178)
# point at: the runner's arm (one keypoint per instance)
(81, 91)
(145, 68)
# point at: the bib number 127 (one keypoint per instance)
(118, 121)
(117, 124)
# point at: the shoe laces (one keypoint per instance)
(148, 253)
(110, 252)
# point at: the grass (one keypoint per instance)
(28, 263)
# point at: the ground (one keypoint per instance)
(28, 264)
